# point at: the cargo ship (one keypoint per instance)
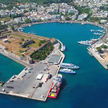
(55, 87)
(69, 65)
(66, 70)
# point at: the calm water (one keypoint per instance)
(8, 68)
(87, 89)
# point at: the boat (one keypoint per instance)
(63, 48)
(55, 87)
(92, 30)
(96, 33)
(66, 70)
(69, 65)
(88, 43)
(96, 30)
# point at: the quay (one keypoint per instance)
(62, 47)
(92, 50)
(26, 85)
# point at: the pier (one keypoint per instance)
(26, 85)
(92, 50)
(62, 47)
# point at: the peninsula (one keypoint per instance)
(39, 55)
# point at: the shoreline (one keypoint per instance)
(35, 93)
(57, 21)
(101, 61)
(96, 55)
(27, 79)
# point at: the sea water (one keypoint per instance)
(87, 89)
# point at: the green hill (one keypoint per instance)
(37, 1)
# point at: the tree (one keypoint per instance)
(99, 49)
(27, 21)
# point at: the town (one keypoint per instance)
(79, 10)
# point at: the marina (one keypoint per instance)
(88, 43)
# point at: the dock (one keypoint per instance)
(26, 85)
(62, 47)
(92, 50)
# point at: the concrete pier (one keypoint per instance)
(26, 85)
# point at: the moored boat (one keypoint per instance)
(69, 65)
(55, 87)
(85, 43)
(67, 71)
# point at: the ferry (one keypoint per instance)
(55, 87)
(66, 70)
(69, 65)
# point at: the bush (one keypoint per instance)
(43, 53)
(99, 49)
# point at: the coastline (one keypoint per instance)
(91, 52)
(23, 78)
(58, 21)
(29, 96)
(95, 54)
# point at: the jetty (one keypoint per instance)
(62, 47)
(26, 84)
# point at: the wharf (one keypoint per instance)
(95, 54)
(26, 85)
(92, 50)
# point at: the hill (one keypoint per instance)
(37, 1)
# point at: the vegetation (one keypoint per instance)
(21, 51)
(104, 46)
(83, 9)
(99, 49)
(3, 26)
(11, 2)
(43, 53)
(27, 21)
(105, 7)
(94, 19)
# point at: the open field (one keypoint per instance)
(17, 39)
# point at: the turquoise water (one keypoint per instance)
(87, 89)
(8, 68)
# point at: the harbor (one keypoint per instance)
(26, 85)
(93, 52)
(80, 88)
